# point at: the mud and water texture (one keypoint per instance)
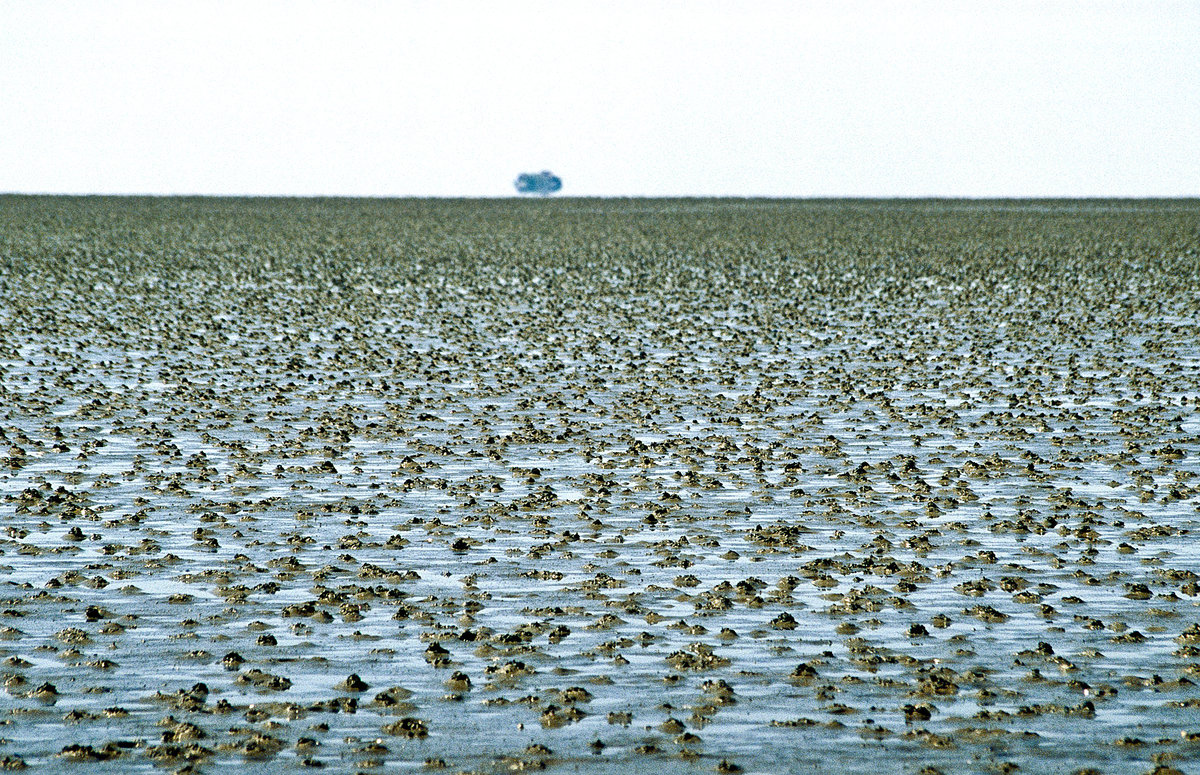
(599, 486)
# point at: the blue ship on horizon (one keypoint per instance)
(542, 183)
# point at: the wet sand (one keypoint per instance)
(599, 486)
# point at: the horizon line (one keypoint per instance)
(582, 197)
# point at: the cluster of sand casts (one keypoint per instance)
(599, 486)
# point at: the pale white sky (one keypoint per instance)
(646, 98)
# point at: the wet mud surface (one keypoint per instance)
(599, 486)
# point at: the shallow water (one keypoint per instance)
(943, 458)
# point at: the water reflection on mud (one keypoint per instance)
(485, 486)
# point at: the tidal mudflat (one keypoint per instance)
(599, 486)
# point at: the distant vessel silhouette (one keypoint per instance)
(542, 183)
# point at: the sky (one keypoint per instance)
(804, 98)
